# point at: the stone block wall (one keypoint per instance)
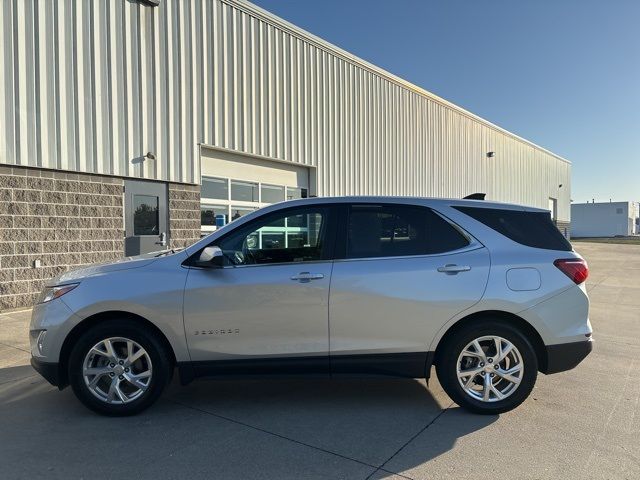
(565, 228)
(184, 214)
(64, 220)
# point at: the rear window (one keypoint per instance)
(399, 230)
(533, 229)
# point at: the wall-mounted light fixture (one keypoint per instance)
(491, 154)
(151, 3)
(150, 155)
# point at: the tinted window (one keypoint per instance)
(398, 230)
(293, 236)
(534, 229)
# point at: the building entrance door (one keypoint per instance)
(146, 218)
(553, 208)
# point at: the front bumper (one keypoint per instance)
(58, 320)
(50, 371)
(565, 356)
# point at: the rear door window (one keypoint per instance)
(399, 230)
(533, 229)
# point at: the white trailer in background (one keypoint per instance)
(605, 219)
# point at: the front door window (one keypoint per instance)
(283, 237)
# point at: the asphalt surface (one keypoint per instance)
(579, 424)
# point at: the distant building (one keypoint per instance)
(605, 219)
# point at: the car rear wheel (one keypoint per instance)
(487, 368)
(119, 368)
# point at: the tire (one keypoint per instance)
(502, 378)
(139, 383)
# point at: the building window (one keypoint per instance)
(214, 215)
(271, 193)
(244, 191)
(294, 193)
(215, 188)
(237, 212)
(224, 200)
(145, 215)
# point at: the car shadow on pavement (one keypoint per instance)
(368, 420)
(11, 374)
(361, 422)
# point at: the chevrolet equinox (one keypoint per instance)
(489, 294)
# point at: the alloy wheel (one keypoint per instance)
(117, 370)
(490, 368)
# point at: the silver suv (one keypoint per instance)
(490, 294)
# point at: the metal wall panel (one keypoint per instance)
(91, 86)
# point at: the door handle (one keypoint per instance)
(452, 269)
(163, 239)
(307, 277)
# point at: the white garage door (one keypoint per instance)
(234, 185)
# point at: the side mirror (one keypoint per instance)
(210, 257)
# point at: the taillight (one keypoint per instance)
(574, 268)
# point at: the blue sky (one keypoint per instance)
(564, 74)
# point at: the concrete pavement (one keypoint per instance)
(579, 424)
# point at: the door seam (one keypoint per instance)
(329, 319)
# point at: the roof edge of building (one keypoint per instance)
(623, 202)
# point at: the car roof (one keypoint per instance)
(426, 201)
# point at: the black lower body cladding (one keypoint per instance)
(565, 356)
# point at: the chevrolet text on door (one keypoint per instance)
(490, 294)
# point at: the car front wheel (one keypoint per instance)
(487, 368)
(118, 368)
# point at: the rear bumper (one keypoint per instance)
(49, 371)
(565, 356)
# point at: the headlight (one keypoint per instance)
(51, 293)
(37, 340)
(40, 340)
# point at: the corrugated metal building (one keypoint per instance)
(114, 113)
(605, 219)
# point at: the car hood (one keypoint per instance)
(102, 268)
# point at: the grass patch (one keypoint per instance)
(615, 240)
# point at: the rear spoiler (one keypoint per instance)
(475, 196)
